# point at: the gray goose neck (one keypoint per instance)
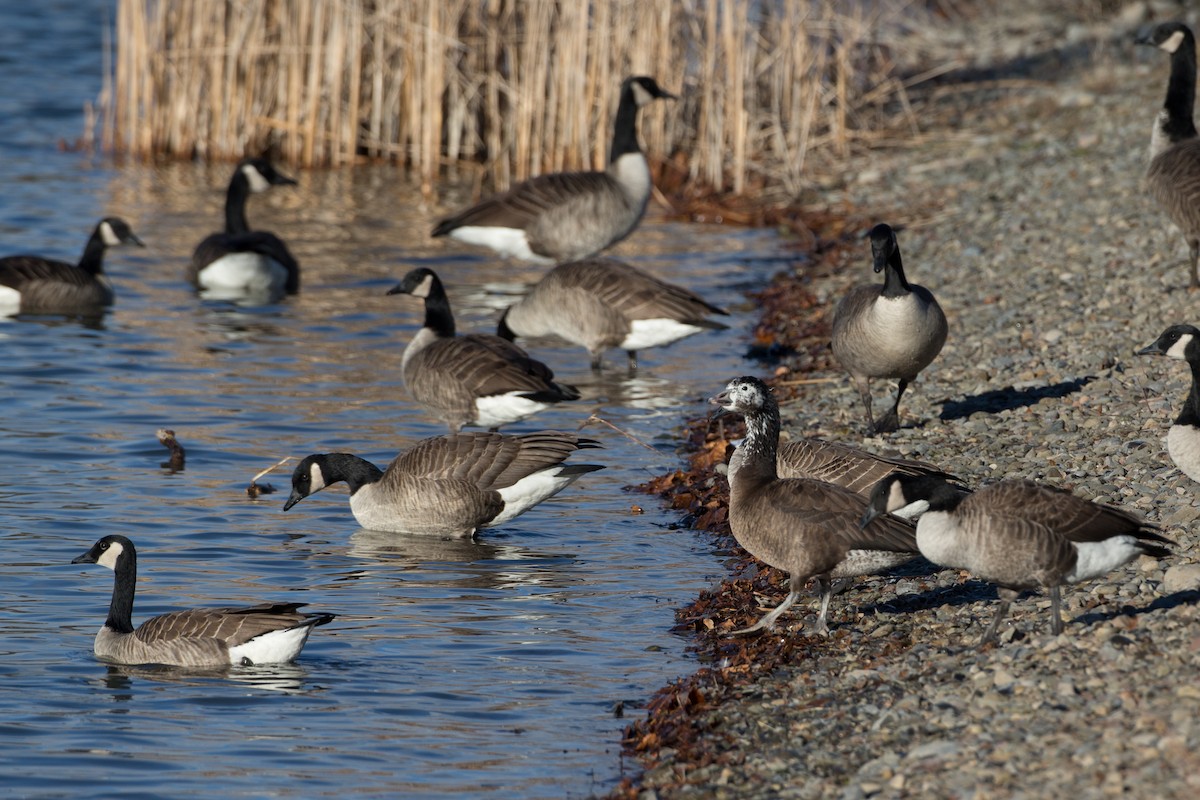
(356, 472)
(120, 610)
(235, 205)
(761, 445)
(1181, 93)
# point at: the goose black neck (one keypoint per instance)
(92, 260)
(894, 282)
(761, 445)
(438, 316)
(120, 610)
(1190, 413)
(235, 205)
(356, 472)
(625, 128)
(1181, 92)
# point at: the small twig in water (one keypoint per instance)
(254, 489)
(166, 438)
(626, 434)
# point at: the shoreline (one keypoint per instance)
(1053, 267)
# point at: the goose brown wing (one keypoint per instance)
(634, 293)
(848, 467)
(222, 244)
(18, 272)
(484, 365)
(1012, 550)
(231, 625)
(838, 512)
(524, 203)
(488, 460)
(1066, 514)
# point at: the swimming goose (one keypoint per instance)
(269, 633)
(1173, 175)
(474, 379)
(449, 485)
(241, 262)
(38, 285)
(565, 216)
(1019, 535)
(889, 331)
(601, 303)
(1183, 438)
(807, 527)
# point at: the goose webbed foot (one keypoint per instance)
(768, 620)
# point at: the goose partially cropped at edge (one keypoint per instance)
(269, 633)
(809, 528)
(1182, 342)
(889, 331)
(1173, 174)
(239, 262)
(600, 303)
(39, 285)
(473, 379)
(565, 216)
(1019, 535)
(449, 485)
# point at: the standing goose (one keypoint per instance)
(240, 262)
(38, 285)
(1183, 438)
(269, 633)
(807, 527)
(565, 216)
(601, 303)
(474, 379)
(889, 331)
(1019, 535)
(449, 485)
(1173, 176)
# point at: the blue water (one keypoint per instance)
(486, 668)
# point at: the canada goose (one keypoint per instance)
(1183, 438)
(601, 303)
(564, 216)
(38, 285)
(449, 485)
(269, 633)
(889, 331)
(1019, 535)
(240, 261)
(1173, 176)
(807, 527)
(474, 379)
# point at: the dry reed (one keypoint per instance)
(518, 86)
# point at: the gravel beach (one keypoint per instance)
(1021, 207)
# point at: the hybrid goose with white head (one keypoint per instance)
(889, 331)
(566, 216)
(449, 486)
(806, 527)
(1018, 535)
(270, 633)
(1182, 342)
(39, 285)
(240, 263)
(473, 379)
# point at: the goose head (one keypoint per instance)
(645, 90)
(107, 552)
(421, 282)
(1178, 341)
(745, 395)
(260, 175)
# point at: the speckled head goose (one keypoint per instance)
(601, 303)
(474, 379)
(239, 261)
(449, 485)
(889, 331)
(808, 528)
(1019, 535)
(1173, 175)
(1183, 439)
(38, 285)
(270, 633)
(565, 216)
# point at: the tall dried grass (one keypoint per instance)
(519, 86)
